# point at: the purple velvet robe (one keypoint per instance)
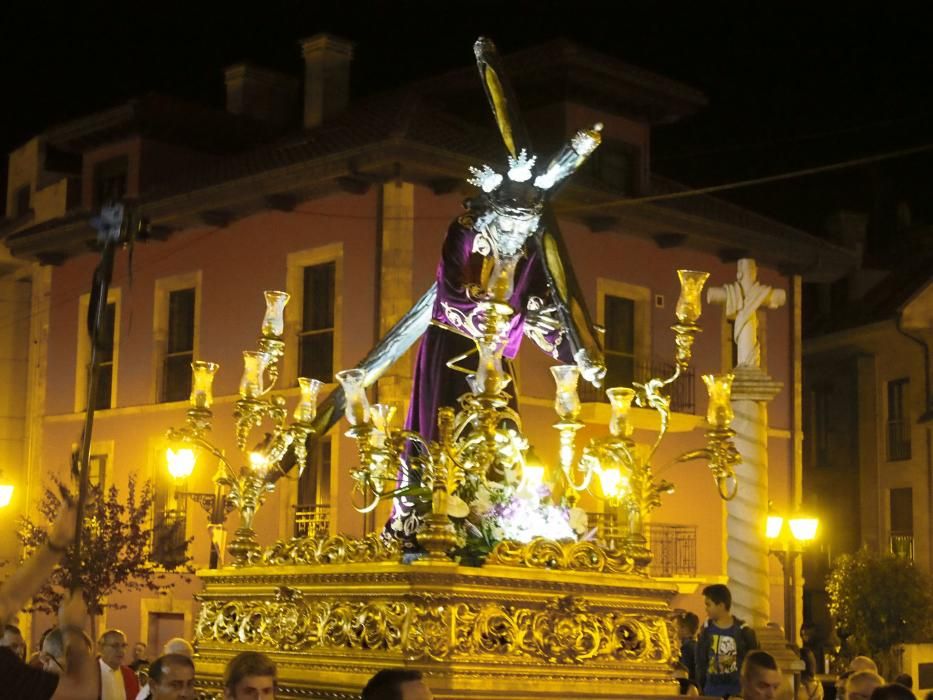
(436, 385)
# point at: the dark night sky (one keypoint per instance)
(790, 85)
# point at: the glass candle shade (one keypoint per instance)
(306, 409)
(620, 402)
(202, 383)
(273, 323)
(566, 399)
(689, 303)
(254, 366)
(382, 415)
(357, 405)
(490, 377)
(719, 386)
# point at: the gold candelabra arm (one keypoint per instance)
(721, 456)
(652, 394)
(275, 349)
(567, 429)
(247, 414)
(439, 537)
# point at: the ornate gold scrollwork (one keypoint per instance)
(566, 631)
(293, 624)
(332, 550)
(573, 556)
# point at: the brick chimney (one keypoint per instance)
(327, 77)
(262, 94)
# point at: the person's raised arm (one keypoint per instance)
(81, 678)
(26, 581)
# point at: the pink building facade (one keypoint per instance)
(368, 195)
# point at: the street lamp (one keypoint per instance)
(787, 546)
(180, 463)
(6, 494)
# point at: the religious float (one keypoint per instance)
(483, 578)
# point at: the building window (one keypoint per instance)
(97, 470)
(104, 397)
(614, 164)
(822, 402)
(179, 348)
(316, 335)
(108, 354)
(21, 201)
(898, 420)
(619, 321)
(312, 513)
(901, 512)
(110, 180)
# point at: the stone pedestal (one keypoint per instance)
(747, 563)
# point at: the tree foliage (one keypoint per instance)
(880, 601)
(116, 552)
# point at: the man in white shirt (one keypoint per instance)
(117, 682)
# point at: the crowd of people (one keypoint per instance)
(719, 658)
(69, 666)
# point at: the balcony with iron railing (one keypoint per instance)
(682, 395)
(902, 545)
(898, 440)
(673, 547)
(312, 520)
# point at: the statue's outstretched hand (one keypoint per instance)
(593, 371)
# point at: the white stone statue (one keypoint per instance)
(743, 298)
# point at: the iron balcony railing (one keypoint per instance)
(673, 547)
(312, 520)
(898, 440)
(682, 390)
(169, 545)
(902, 546)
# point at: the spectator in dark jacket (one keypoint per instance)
(723, 643)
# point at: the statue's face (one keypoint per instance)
(510, 233)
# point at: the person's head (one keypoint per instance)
(759, 676)
(687, 625)
(892, 691)
(13, 639)
(171, 677)
(140, 652)
(112, 648)
(249, 676)
(807, 632)
(397, 684)
(861, 684)
(862, 663)
(177, 645)
(718, 601)
(905, 679)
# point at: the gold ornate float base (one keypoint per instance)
(545, 621)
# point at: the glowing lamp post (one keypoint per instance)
(6, 494)
(787, 546)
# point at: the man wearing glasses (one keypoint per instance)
(117, 682)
